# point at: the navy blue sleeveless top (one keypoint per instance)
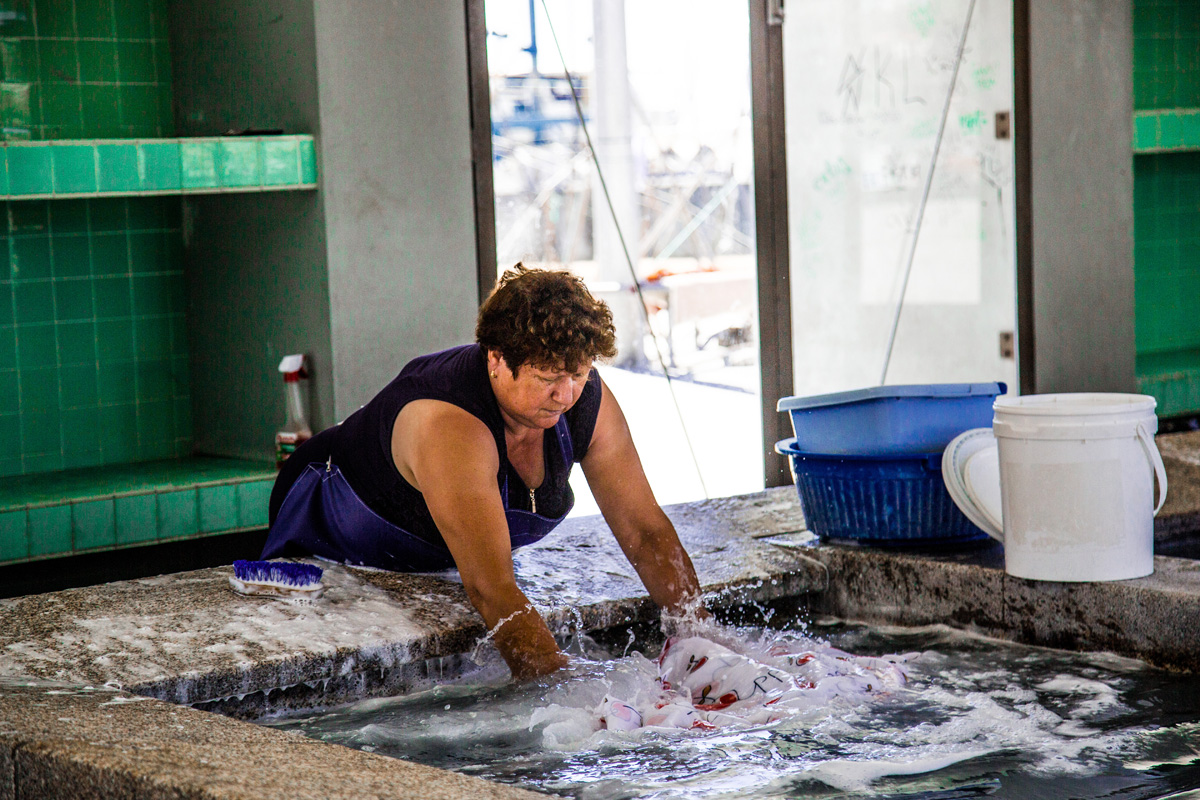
(362, 445)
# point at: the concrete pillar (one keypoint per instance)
(1080, 274)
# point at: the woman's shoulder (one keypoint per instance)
(457, 376)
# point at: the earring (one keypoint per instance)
(494, 375)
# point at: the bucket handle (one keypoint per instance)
(1156, 461)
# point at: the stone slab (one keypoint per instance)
(1153, 618)
(78, 743)
(189, 638)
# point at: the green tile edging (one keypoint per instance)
(128, 519)
(124, 167)
(1172, 130)
(1173, 379)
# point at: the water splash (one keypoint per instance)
(976, 717)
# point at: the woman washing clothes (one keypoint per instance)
(465, 456)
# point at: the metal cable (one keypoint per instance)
(625, 248)
(937, 144)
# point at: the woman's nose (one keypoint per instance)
(562, 391)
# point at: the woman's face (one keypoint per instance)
(536, 397)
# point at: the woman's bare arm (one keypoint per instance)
(647, 537)
(449, 455)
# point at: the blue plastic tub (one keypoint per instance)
(883, 500)
(890, 420)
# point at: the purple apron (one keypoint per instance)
(323, 516)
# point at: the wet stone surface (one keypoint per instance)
(80, 669)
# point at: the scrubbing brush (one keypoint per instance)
(277, 578)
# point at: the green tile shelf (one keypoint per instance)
(122, 167)
(85, 510)
(1172, 130)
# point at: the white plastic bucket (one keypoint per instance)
(1077, 485)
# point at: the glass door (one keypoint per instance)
(900, 191)
(658, 93)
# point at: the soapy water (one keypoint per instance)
(929, 713)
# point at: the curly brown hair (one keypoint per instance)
(546, 318)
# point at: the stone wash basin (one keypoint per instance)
(105, 691)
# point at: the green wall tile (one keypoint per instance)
(36, 346)
(29, 170)
(29, 217)
(72, 300)
(101, 108)
(55, 17)
(238, 162)
(136, 518)
(137, 62)
(94, 20)
(160, 166)
(110, 254)
(14, 537)
(98, 61)
(198, 162)
(139, 110)
(116, 383)
(10, 394)
(49, 530)
(118, 168)
(6, 305)
(34, 302)
(94, 524)
(118, 433)
(58, 59)
(39, 396)
(152, 337)
(4, 188)
(40, 433)
(135, 19)
(152, 294)
(79, 386)
(114, 340)
(254, 497)
(147, 254)
(281, 162)
(308, 161)
(108, 215)
(70, 256)
(218, 508)
(30, 258)
(76, 342)
(178, 514)
(156, 421)
(1145, 132)
(112, 297)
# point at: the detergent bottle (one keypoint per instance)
(296, 430)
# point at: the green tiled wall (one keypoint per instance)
(1166, 202)
(1166, 54)
(84, 69)
(93, 354)
(1166, 226)
(93, 345)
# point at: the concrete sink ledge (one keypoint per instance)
(90, 678)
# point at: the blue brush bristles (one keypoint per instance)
(282, 574)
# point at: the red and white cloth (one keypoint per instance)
(705, 684)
